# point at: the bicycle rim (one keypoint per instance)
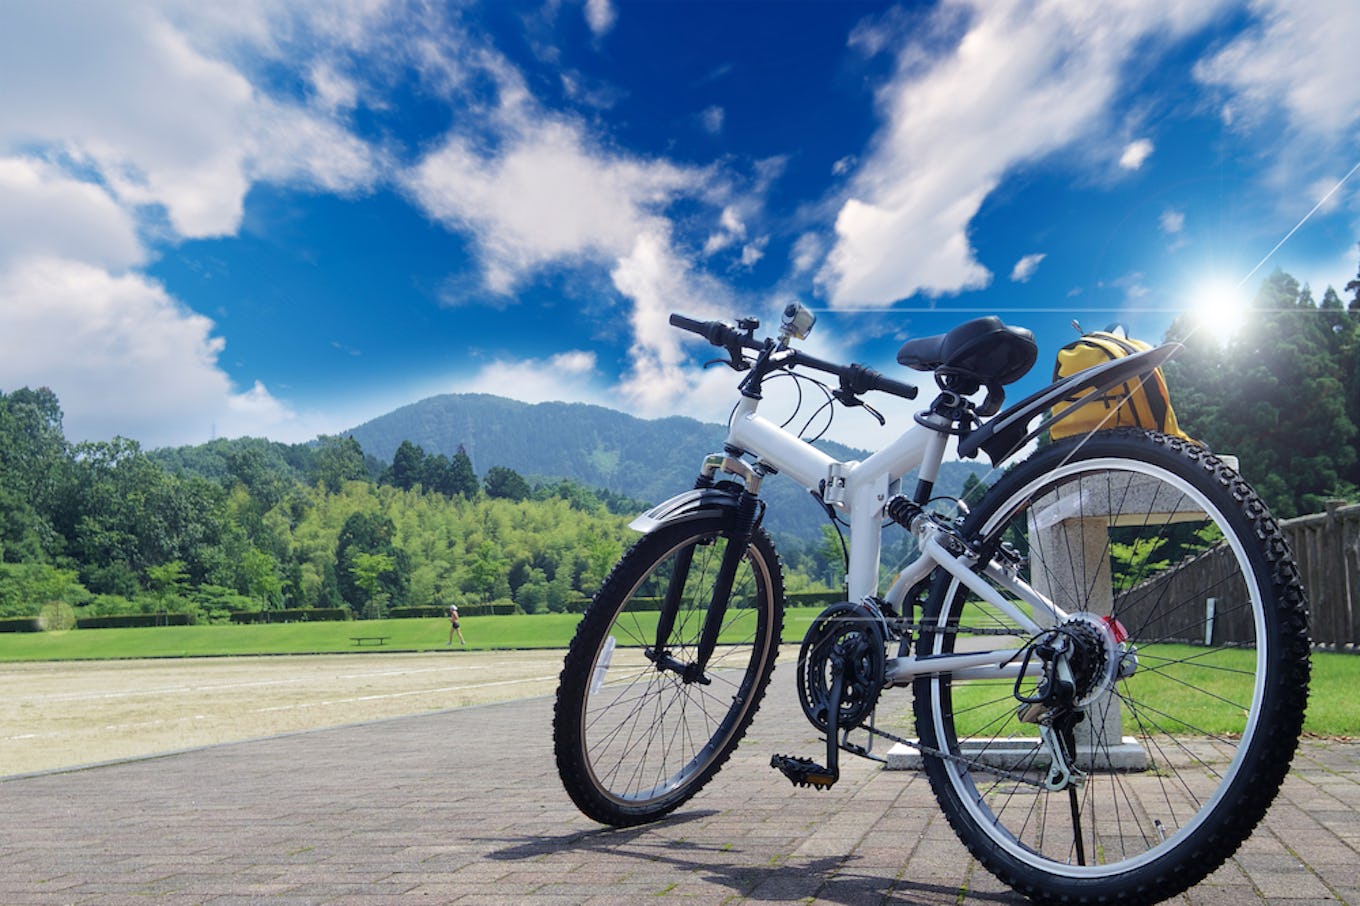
(649, 739)
(1178, 754)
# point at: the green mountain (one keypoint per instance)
(647, 460)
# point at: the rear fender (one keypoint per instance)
(1012, 429)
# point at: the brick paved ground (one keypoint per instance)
(464, 806)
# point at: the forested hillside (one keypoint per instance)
(96, 529)
(645, 460)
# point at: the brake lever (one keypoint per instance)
(736, 364)
(850, 401)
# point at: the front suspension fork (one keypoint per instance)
(738, 540)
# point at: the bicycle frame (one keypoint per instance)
(861, 490)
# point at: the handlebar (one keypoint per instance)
(855, 379)
(719, 333)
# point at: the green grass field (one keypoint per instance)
(507, 632)
(1330, 711)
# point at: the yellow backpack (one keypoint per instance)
(1142, 403)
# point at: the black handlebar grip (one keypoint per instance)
(862, 378)
(689, 324)
(896, 388)
(716, 332)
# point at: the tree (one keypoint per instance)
(369, 534)
(368, 571)
(338, 460)
(408, 466)
(167, 581)
(261, 573)
(829, 558)
(34, 466)
(463, 477)
(452, 478)
(1273, 394)
(506, 483)
(973, 489)
(249, 466)
(487, 573)
(26, 587)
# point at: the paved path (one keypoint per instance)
(464, 807)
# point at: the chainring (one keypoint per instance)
(853, 637)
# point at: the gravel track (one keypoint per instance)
(57, 715)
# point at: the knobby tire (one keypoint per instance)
(1216, 701)
(632, 741)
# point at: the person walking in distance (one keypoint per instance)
(453, 626)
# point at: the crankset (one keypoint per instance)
(841, 671)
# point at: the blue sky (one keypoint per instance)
(282, 219)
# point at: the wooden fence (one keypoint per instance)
(1327, 549)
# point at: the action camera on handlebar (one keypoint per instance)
(797, 322)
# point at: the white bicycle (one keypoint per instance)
(1109, 654)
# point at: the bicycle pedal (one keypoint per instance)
(804, 772)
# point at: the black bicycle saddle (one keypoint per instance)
(984, 350)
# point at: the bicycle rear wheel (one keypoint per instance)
(1189, 631)
(633, 740)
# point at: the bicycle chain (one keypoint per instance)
(949, 756)
(956, 759)
(958, 630)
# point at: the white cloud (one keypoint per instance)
(1025, 80)
(334, 90)
(712, 119)
(752, 252)
(1299, 58)
(126, 109)
(574, 362)
(1172, 222)
(123, 90)
(730, 230)
(122, 356)
(567, 377)
(600, 16)
(658, 283)
(807, 251)
(47, 213)
(548, 196)
(1026, 266)
(1135, 154)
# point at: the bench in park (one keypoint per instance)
(362, 640)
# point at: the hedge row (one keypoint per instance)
(293, 615)
(126, 620)
(813, 598)
(324, 614)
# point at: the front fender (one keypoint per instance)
(689, 505)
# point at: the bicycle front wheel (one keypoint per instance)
(1187, 629)
(634, 738)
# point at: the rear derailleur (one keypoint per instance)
(1053, 705)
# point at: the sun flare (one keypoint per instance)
(1219, 305)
